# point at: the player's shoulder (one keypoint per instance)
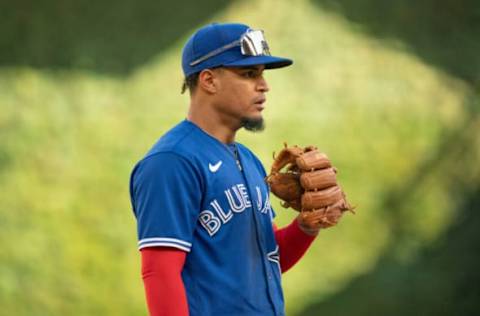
(181, 140)
(247, 152)
(174, 150)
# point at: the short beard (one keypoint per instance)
(253, 125)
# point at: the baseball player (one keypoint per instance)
(205, 224)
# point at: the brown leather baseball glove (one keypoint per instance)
(304, 179)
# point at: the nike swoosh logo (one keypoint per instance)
(215, 167)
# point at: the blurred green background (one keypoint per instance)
(389, 89)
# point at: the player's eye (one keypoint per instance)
(250, 74)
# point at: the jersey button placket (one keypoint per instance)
(260, 241)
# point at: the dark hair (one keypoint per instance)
(190, 82)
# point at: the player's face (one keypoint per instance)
(241, 95)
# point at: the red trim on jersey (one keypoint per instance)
(292, 243)
(164, 289)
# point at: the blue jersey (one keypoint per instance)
(192, 193)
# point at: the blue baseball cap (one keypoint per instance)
(228, 45)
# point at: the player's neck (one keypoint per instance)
(211, 123)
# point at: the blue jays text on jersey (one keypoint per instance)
(194, 193)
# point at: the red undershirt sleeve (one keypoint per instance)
(292, 243)
(164, 288)
(162, 267)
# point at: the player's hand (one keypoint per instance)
(307, 226)
(310, 222)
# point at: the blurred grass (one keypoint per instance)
(71, 133)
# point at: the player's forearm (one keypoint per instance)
(292, 243)
(164, 288)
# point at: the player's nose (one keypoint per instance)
(262, 85)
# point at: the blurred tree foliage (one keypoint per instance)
(443, 278)
(389, 91)
(113, 37)
(443, 33)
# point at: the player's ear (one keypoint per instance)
(208, 81)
